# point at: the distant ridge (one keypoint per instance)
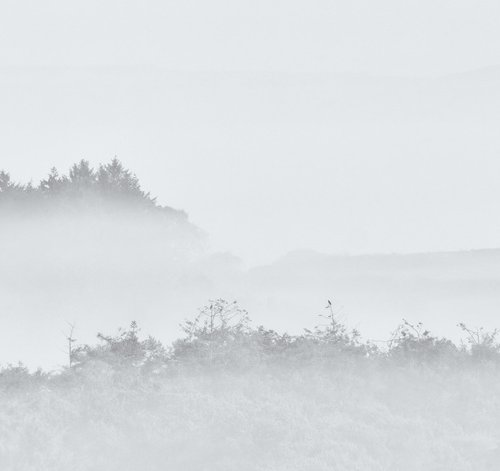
(307, 254)
(491, 72)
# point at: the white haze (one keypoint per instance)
(344, 127)
(341, 127)
(100, 271)
(333, 157)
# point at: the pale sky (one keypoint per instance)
(276, 125)
(384, 37)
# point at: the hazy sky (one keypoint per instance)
(275, 124)
(388, 36)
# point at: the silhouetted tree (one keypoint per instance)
(82, 176)
(7, 186)
(14, 195)
(114, 179)
(54, 184)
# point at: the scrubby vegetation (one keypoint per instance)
(228, 395)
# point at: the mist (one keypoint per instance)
(76, 255)
(249, 235)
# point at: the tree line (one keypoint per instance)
(108, 185)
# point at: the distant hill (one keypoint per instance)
(491, 72)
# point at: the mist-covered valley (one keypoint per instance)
(141, 348)
(101, 262)
(93, 250)
(249, 235)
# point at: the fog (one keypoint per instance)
(269, 162)
(342, 127)
(101, 268)
(233, 398)
(249, 235)
(387, 37)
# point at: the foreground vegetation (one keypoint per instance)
(230, 396)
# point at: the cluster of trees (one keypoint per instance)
(110, 184)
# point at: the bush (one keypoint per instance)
(413, 344)
(480, 344)
(219, 336)
(122, 351)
